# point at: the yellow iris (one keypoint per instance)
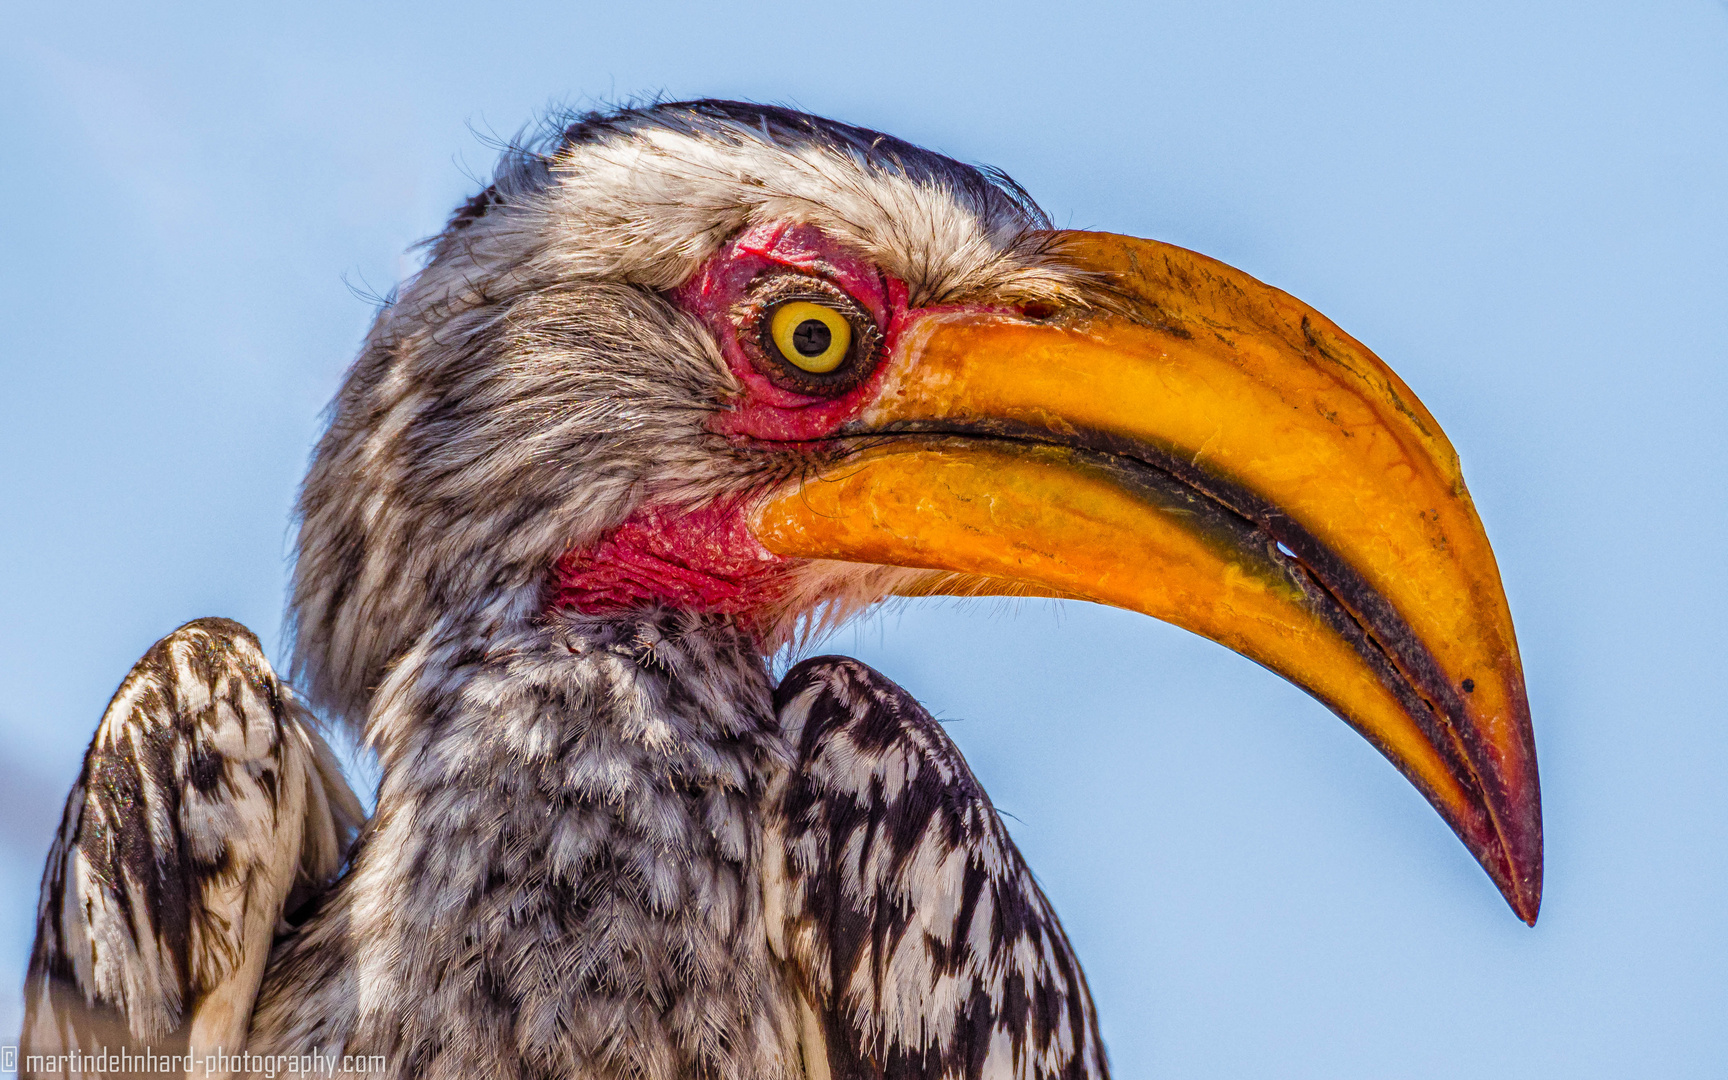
(812, 337)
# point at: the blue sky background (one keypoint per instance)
(1523, 207)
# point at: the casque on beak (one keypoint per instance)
(1221, 456)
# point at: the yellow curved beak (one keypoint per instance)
(1224, 458)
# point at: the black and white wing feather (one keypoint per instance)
(208, 806)
(924, 947)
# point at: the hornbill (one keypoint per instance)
(687, 384)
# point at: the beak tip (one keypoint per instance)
(1521, 883)
(1532, 901)
(1527, 902)
(1531, 909)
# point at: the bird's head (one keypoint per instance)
(736, 360)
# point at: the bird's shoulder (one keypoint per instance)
(922, 942)
(207, 806)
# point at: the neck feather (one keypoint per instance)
(581, 797)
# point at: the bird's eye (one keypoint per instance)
(811, 337)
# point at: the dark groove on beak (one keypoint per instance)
(1358, 612)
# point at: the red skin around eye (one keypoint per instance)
(765, 411)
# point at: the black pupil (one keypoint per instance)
(812, 337)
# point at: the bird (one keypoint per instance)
(686, 386)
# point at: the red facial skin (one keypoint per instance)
(695, 560)
(765, 411)
(706, 560)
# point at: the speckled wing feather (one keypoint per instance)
(923, 945)
(208, 806)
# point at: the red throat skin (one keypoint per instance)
(702, 560)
